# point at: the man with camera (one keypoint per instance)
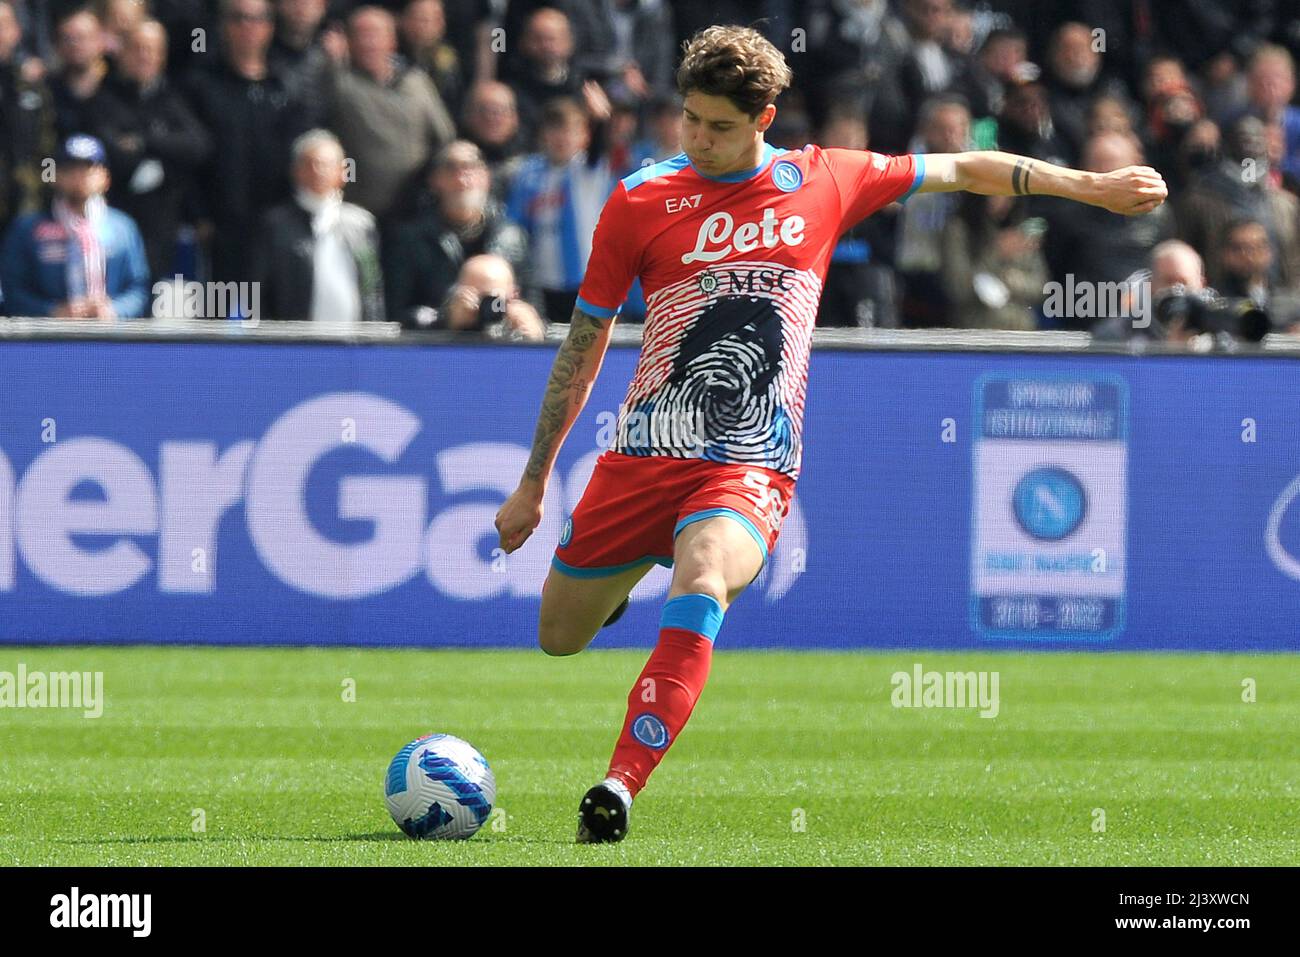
(1178, 307)
(486, 300)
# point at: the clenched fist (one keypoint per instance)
(1131, 190)
(519, 517)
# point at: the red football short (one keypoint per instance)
(635, 505)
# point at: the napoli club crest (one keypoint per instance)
(650, 731)
(787, 176)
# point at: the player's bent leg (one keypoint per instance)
(575, 607)
(715, 555)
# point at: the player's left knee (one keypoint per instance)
(702, 582)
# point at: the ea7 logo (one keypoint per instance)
(677, 203)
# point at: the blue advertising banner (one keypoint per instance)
(250, 493)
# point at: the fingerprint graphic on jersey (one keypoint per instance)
(722, 398)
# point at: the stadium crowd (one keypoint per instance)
(442, 163)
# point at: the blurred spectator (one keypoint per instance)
(388, 116)
(854, 61)
(121, 17)
(35, 20)
(1176, 269)
(1025, 125)
(1109, 114)
(1270, 88)
(1197, 153)
(1223, 87)
(1074, 79)
(624, 124)
(486, 300)
(859, 289)
(993, 269)
(1246, 259)
(635, 59)
(423, 26)
(491, 122)
(470, 25)
(930, 66)
(1239, 188)
(253, 112)
(1172, 111)
(80, 258)
(182, 18)
(663, 137)
(318, 256)
(543, 68)
(298, 51)
(1201, 32)
(944, 128)
(1174, 263)
(425, 256)
(625, 44)
(79, 38)
(1002, 60)
(26, 122)
(1092, 244)
(792, 128)
(16, 44)
(558, 195)
(154, 141)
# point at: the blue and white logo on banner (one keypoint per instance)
(1050, 505)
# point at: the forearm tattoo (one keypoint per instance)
(570, 382)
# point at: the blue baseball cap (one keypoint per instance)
(80, 148)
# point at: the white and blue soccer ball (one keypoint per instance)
(439, 788)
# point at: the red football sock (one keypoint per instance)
(660, 703)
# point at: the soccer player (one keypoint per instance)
(731, 239)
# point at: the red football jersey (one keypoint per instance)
(732, 268)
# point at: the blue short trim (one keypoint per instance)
(600, 312)
(700, 614)
(604, 571)
(730, 513)
(918, 178)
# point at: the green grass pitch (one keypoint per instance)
(790, 758)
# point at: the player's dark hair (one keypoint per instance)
(736, 62)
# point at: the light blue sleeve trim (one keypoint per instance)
(700, 614)
(600, 312)
(917, 179)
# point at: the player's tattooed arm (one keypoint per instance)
(572, 376)
(1129, 190)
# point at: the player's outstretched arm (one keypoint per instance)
(572, 375)
(1131, 190)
